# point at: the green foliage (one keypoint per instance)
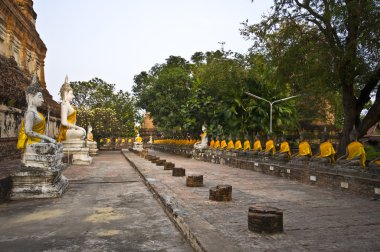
(182, 96)
(110, 113)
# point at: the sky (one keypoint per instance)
(115, 40)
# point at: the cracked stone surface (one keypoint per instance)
(107, 207)
(315, 219)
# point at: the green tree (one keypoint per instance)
(346, 35)
(110, 113)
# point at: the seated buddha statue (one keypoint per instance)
(375, 163)
(90, 136)
(247, 144)
(32, 128)
(238, 145)
(203, 143)
(304, 149)
(230, 145)
(212, 143)
(270, 147)
(257, 148)
(284, 152)
(355, 153)
(138, 139)
(223, 144)
(326, 151)
(68, 129)
(217, 143)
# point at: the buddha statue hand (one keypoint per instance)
(49, 140)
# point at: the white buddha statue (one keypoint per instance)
(71, 135)
(40, 176)
(90, 141)
(33, 126)
(68, 129)
(203, 144)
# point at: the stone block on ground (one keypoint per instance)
(221, 193)
(169, 166)
(265, 219)
(154, 159)
(179, 172)
(194, 181)
(161, 162)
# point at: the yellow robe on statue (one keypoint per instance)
(304, 149)
(230, 145)
(247, 145)
(238, 145)
(212, 143)
(217, 144)
(269, 147)
(356, 149)
(24, 139)
(72, 118)
(257, 146)
(223, 144)
(327, 150)
(285, 148)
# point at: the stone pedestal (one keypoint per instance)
(93, 148)
(161, 162)
(221, 193)
(78, 149)
(194, 181)
(138, 146)
(178, 172)
(40, 175)
(265, 219)
(169, 166)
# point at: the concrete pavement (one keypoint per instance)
(315, 219)
(106, 208)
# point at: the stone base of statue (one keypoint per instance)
(40, 175)
(138, 146)
(78, 150)
(199, 152)
(93, 148)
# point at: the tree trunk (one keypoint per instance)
(350, 115)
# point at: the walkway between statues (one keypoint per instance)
(315, 219)
(106, 208)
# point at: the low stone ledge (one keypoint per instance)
(221, 193)
(169, 166)
(161, 162)
(178, 172)
(265, 219)
(194, 181)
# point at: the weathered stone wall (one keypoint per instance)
(10, 121)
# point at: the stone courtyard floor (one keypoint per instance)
(315, 219)
(107, 207)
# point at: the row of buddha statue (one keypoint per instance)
(355, 153)
(41, 172)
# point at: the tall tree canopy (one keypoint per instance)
(110, 113)
(183, 95)
(330, 43)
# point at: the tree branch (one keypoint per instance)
(372, 82)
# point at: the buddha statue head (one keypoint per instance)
(66, 91)
(33, 93)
